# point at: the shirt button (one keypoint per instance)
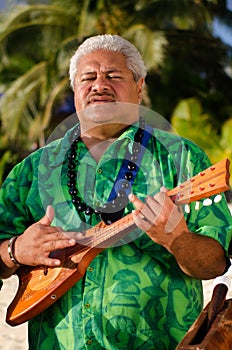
(89, 342)
(87, 305)
(90, 269)
(100, 171)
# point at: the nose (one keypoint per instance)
(100, 84)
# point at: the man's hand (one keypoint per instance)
(159, 217)
(197, 255)
(34, 246)
(39, 240)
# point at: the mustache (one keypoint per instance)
(101, 96)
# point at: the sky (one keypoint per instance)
(2, 4)
(221, 30)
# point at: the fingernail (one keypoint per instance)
(130, 196)
(72, 241)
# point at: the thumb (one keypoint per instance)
(48, 217)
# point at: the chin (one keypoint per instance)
(111, 112)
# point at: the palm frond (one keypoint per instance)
(151, 44)
(17, 102)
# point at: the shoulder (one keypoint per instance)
(185, 155)
(173, 142)
(26, 169)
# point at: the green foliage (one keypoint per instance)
(189, 121)
(3, 162)
(184, 59)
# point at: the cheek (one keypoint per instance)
(136, 96)
(79, 99)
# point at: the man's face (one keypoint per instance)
(103, 77)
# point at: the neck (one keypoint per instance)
(107, 121)
(97, 141)
(103, 132)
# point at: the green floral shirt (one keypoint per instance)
(133, 295)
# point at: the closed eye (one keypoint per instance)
(88, 78)
(110, 76)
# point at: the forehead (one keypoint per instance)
(104, 60)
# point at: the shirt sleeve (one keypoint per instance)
(15, 214)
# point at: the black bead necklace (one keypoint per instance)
(112, 210)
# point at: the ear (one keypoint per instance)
(140, 84)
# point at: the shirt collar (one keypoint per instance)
(60, 147)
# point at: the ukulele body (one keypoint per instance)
(39, 287)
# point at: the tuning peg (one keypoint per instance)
(207, 202)
(217, 198)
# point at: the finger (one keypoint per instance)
(74, 235)
(139, 204)
(50, 262)
(48, 217)
(141, 221)
(136, 201)
(145, 209)
(153, 204)
(53, 245)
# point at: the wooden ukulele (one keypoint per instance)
(41, 286)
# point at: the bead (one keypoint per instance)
(121, 194)
(76, 200)
(72, 156)
(81, 206)
(121, 200)
(134, 158)
(71, 183)
(73, 191)
(71, 174)
(128, 175)
(131, 166)
(136, 148)
(71, 165)
(139, 137)
(73, 146)
(113, 204)
(88, 211)
(125, 184)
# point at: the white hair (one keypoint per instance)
(113, 43)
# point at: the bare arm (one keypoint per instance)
(34, 246)
(197, 255)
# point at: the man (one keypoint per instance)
(145, 293)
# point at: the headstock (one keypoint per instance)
(211, 181)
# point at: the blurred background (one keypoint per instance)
(186, 45)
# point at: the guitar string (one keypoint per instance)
(108, 232)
